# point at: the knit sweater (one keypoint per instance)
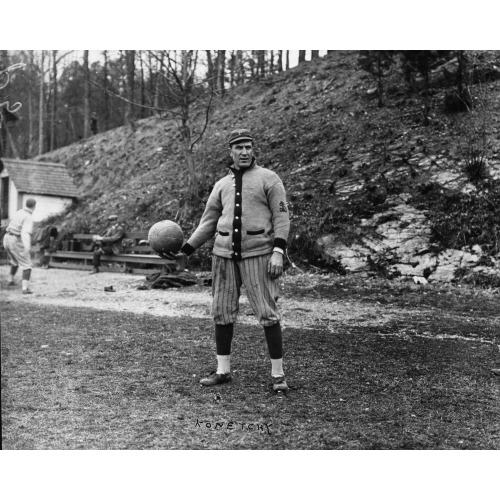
(248, 214)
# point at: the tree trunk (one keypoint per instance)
(271, 62)
(232, 69)
(86, 97)
(302, 56)
(41, 114)
(159, 79)
(240, 73)
(261, 63)
(222, 71)
(287, 60)
(314, 54)
(251, 63)
(31, 132)
(143, 87)
(130, 68)
(151, 85)
(280, 61)
(210, 70)
(106, 94)
(53, 117)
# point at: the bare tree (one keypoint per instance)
(105, 90)
(190, 105)
(159, 75)
(143, 87)
(232, 68)
(302, 56)
(210, 70)
(53, 140)
(41, 113)
(240, 70)
(261, 63)
(130, 82)
(222, 71)
(280, 61)
(86, 97)
(314, 54)
(31, 132)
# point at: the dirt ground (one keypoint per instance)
(62, 287)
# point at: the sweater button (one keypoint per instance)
(237, 205)
(235, 230)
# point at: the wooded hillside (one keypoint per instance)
(390, 159)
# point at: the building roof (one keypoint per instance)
(36, 177)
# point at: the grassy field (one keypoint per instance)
(80, 379)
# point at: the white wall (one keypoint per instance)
(45, 205)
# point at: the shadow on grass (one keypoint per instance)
(75, 379)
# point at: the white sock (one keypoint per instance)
(11, 278)
(26, 284)
(277, 368)
(223, 364)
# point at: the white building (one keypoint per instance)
(48, 183)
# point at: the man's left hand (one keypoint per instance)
(275, 265)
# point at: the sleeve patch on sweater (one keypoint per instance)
(283, 207)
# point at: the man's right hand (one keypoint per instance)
(180, 258)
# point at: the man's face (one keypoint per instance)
(242, 154)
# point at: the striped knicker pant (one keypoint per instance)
(263, 292)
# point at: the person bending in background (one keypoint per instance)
(17, 244)
(108, 243)
(47, 241)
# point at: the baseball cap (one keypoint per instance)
(30, 203)
(240, 134)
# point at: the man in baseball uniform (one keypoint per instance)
(247, 212)
(17, 244)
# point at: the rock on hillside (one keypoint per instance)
(351, 169)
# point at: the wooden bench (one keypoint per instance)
(136, 259)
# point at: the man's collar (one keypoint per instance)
(234, 169)
(29, 210)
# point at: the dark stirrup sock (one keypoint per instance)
(274, 339)
(223, 338)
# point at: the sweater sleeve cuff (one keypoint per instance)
(279, 250)
(280, 243)
(187, 249)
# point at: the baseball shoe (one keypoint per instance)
(495, 371)
(216, 378)
(279, 384)
(10, 283)
(27, 292)
(94, 271)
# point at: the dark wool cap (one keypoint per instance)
(30, 203)
(240, 134)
